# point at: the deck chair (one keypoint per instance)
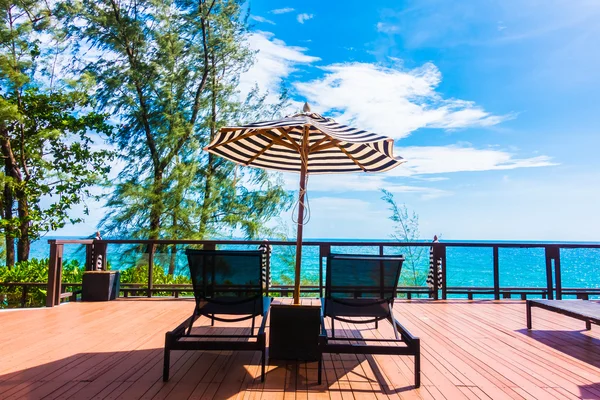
(360, 289)
(229, 286)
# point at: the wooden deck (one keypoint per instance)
(470, 350)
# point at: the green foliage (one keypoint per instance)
(170, 70)
(58, 157)
(46, 130)
(139, 274)
(36, 270)
(33, 270)
(406, 229)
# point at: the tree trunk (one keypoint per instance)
(157, 206)
(173, 248)
(210, 168)
(8, 235)
(173, 251)
(24, 242)
(9, 172)
(206, 206)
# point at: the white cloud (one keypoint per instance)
(303, 17)
(329, 217)
(387, 28)
(448, 159)
(282, 10)
(258, 18)
(274, 61)
(342, 183)
(421, 160)
(391, 101)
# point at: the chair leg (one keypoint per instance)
(252, 329)
(332, 328)
(212, 320)
(167, 359)
(262, 367)
(320, 369)
(376, 324)
(418, 364)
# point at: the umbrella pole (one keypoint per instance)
(303, 171)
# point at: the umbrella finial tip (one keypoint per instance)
(306, 107)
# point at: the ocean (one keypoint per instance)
(472, 266)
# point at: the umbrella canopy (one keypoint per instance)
(283, 145)
(309, 144)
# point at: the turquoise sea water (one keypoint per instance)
(472, 266)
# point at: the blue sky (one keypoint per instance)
(493, 104)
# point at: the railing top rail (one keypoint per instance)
(334, 243)
(71, 241)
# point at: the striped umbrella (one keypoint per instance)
(309, 144)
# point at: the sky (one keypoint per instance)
(493, 105)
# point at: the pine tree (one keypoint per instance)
(169, 72)
(45, 131)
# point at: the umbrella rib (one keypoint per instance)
(235, 139)
(278, 140)
(349, 156)
(288, 137)
(323, 146)
(318, 142)
(260, 153)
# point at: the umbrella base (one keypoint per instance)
(294, 332)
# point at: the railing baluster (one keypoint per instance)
(558, 277)
(324, 251)
(496, 274)
(150, 268)
(549, 286)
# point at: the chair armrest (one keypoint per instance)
(406, 335)
(181, 328)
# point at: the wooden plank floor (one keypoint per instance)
(470, 350)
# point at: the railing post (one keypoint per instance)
(557, 273)
(437, 256)
(52, 262)
(324, 251)
(54, 274)
(150, 267)
(58, 283)
(444, 273)
(496, 274)
(548, 254)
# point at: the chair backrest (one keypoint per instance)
(225, 273)
(362, 276)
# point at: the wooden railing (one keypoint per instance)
(96, 249)
(27, 286)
